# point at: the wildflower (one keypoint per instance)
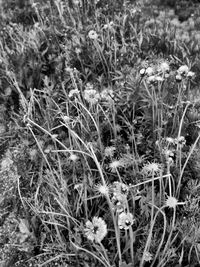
(92, 35)
(169, 155)
(120, 188)
(183, 70)
(178, 78)
(91, 96)
(147, 256)
(159, 79)
(171, 202)
(125, 220)
(190, 74)
(73, 93)
(96, 230)
(119, 202)
(151, 168)
(66, 119)
(103, 189)
(114, 165)
(109, 151)
(149, 71)
(108, 26)
(164, 67)
(170, 140)
(77, 50)
(73, 157)
(142, 72)
(181, 140)
(151, 79)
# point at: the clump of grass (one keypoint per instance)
(102, 98)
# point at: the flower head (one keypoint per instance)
(151, 79)
(178, 78)
(190, 74)
(181, 140)
(109, 151)
(96, 230)
(120, 188)
(92, 35)
(115, 164)
(151, 168)
(125, 220)
(73, 93)
(103, 189)
(91, 96)
(149, 71)
(164, 67)
(73, 157)
(119, 202)
(171, 202)
(147, 256)
(170, 140)
(142, 71)
(183, 70)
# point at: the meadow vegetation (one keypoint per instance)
(99, 133)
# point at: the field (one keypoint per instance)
(99, 133)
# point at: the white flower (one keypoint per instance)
(151, 79)
(96, 230)
(109, 151)
(190, 74)
(114, 165)
(125, 220)
(178, 78)
(183, 70)
(102, 189)
(120, 188)
(147, 256)
(164, 66)
(119, 202)
(149, 71)
(170, 140)
(142, 72)
(92, 35)
(159, 79)
(181, 140)
(73, 157)
(171, 202)
(151, 168)
(66, 119)
(108, 25)
(73, 93)
(91, 96)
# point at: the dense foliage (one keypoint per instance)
(99, 133)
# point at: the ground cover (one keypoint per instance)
(99, 133)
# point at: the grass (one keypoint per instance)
(99, 133)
